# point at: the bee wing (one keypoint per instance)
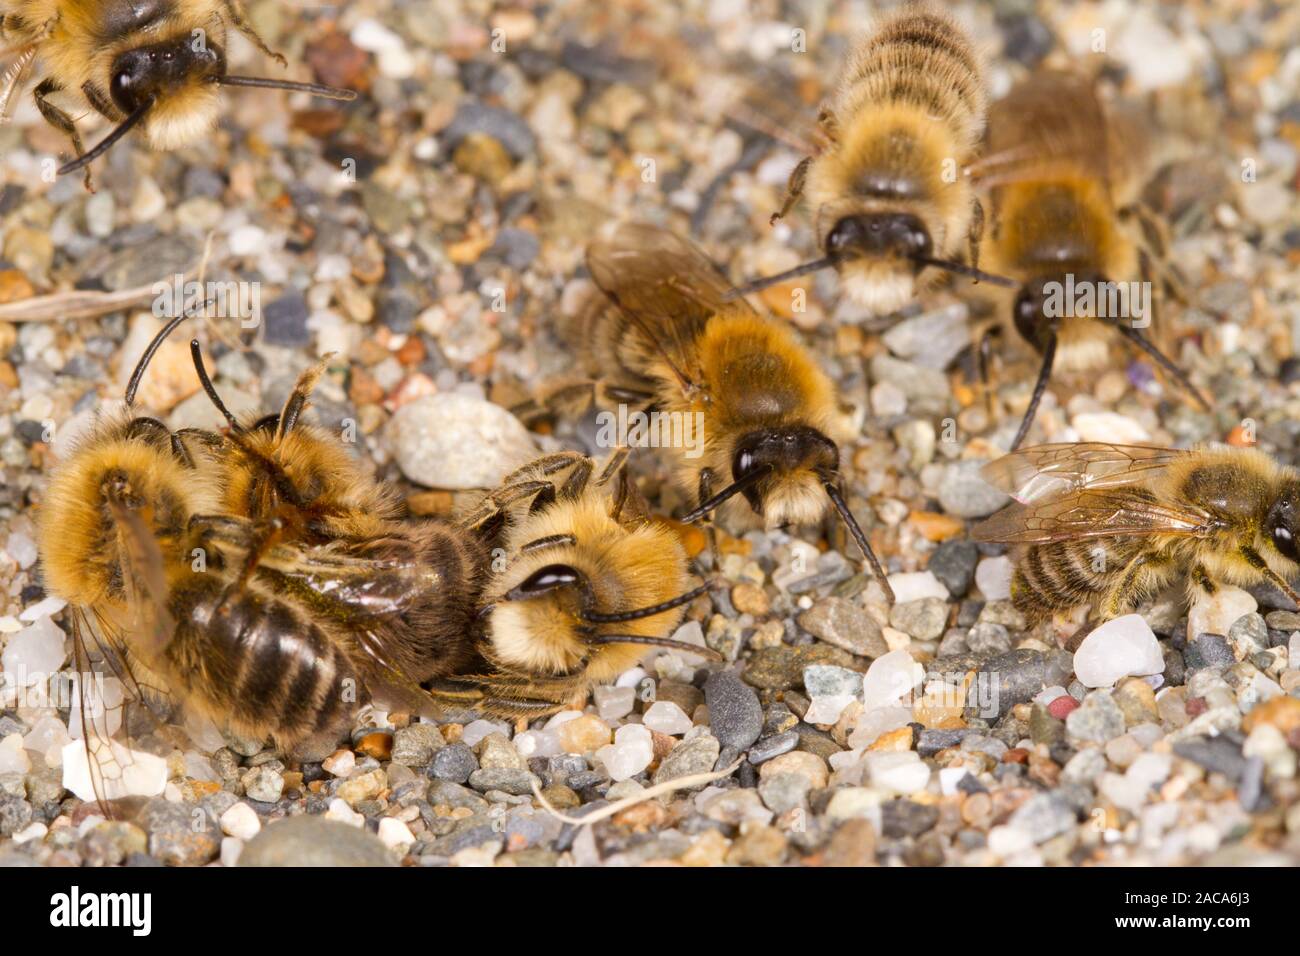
(1050, 119)
(1050, 471)
(112, 768)
(12, 78)
(667, 288)
(1092, 513)
(145, 581)
(772, 101)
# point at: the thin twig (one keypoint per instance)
(618, 806)
(76, 304)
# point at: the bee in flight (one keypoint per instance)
(154, 64)
(672, 340)
(892, 208)
(1062, 178)
(587, 582)
(1107, 526)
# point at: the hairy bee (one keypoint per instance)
(586, 583)
(677, 343)
(1106, 526)
(154, 64)
(891, 206)
(1062, 185)
(275, 635)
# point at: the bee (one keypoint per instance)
(585, 583)
(154, 64)
(1107, 526)
(284, 637)
(891, 206)
(677, 343)
(1063, 191)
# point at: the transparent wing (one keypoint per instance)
(1050, 471)
(1048, 121)
(666, 287)
(109, 698)
(1092, 513)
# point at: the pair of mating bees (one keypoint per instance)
(905, 157)
(261, 576)
(155, 65)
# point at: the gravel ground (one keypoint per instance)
(431, 234)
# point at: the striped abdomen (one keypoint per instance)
(259, 663)
(919, 58)
(1063, 575)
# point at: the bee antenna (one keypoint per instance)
(266, 82)
(758, 285)
(595, 617)
(657, 642)
(960, 268)
(107, 143)
(735, 488)
(208, 387)
(133, 384)
(842, 508)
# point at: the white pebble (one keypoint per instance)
(1123, 647)
(34, 653)
(247, 241)
(827, 709)
(949, 777)
(231, 848)
(1108, 426)
(476, 730)
(900, 772)
(13, 756)
(915, 585)
(340, 763)
(879, 720)
(1008, 840)
(124, 772)
(538, 743)
(889, 679)
(993, 578)
(614, 703)
(394, 833)
(33, 831)
(629, 754)
(631, 677)
(47, 737)
(22, 549)
(240, 821)
(667, 718)
(45, 608)
(1217, 613)
(340, 811)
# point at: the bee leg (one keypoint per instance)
(1044, 374)
(793, 189)
(706, 492)
(1256, 561)
(60, 121)
(142, 424)
(1145, 345)
(975, 235)
(1146, 572)
(1200, 580)
(235, 14)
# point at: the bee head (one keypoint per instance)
(783, 451)
(171, 86)
(1283, 522)
(897, 235)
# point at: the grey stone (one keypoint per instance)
(314, 841)
(1098, 719)
(454, 762)
(953, 563)
(735, 715)
(697, 755)
(842, 623)
(964, 494)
